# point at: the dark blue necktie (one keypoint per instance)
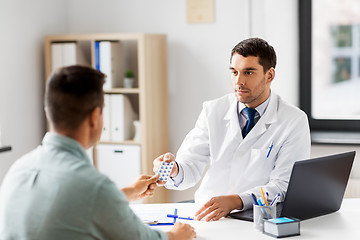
(250, 122)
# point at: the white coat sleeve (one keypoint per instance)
(193, 155)
(296, 146)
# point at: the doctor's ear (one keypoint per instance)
(270, 75)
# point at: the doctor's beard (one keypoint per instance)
(249, 98)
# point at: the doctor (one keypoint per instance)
(248, 139)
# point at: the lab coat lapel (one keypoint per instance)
(269, 117)
(232, 126)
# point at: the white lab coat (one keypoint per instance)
(242, 166)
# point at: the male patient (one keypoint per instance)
(54, 192)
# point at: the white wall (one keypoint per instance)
(276, 21)
(23, 25)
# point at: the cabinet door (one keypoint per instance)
(121, 163)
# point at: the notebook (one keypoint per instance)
(316, 188)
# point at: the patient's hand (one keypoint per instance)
(143, 187)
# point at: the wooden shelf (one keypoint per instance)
(146, 55)
(123, 91)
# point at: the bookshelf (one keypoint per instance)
(146, 55)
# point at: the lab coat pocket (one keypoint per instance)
(259, 166)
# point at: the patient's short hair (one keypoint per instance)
(256, 47)
(72, 93)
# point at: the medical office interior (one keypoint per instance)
(197, 65)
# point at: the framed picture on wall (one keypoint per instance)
(330, 66)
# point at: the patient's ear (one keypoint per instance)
(95, 118)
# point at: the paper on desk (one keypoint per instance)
(154, 215)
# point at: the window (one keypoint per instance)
(330, 64)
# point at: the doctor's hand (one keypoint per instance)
(167, 157)
(218, 207)
(143, 187)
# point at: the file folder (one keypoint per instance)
(122, 118)
(111, 63)
(106, 132)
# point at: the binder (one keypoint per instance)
(106, 132)
(56, 55)
(110, 60)
(70, 54)
(66, 54)
(122, 118)
(97, 55)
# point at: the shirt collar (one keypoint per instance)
(66, 143)
(260, 109)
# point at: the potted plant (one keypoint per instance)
(129, 79)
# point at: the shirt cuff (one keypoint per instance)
(176, 181)
(247, 200)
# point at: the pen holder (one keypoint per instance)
(262, 213)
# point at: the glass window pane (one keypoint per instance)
(342, 35)
(342, 69)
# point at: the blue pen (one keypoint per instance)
(175, 213)
(157, 224)
(176, 216)
(254, 198)
(275, 199)
(263, 210)
(270, 148)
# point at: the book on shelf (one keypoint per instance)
(109, 59)
(66, 54)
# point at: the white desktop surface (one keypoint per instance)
(343, 224)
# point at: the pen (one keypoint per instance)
(175, 213)
(262, 192)
(254, 198)
(150, 222)
(176, 216)
(260, 203)
(157, 224)
(275, 199)
(270, 150)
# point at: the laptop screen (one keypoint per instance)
(317, 186)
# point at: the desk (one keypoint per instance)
(343, 224)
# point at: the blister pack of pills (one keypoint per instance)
(165, 170)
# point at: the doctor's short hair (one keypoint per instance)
(256, 47)
(72, 93)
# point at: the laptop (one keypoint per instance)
(316, 188)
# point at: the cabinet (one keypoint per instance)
(146, 55)
(120, 162)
